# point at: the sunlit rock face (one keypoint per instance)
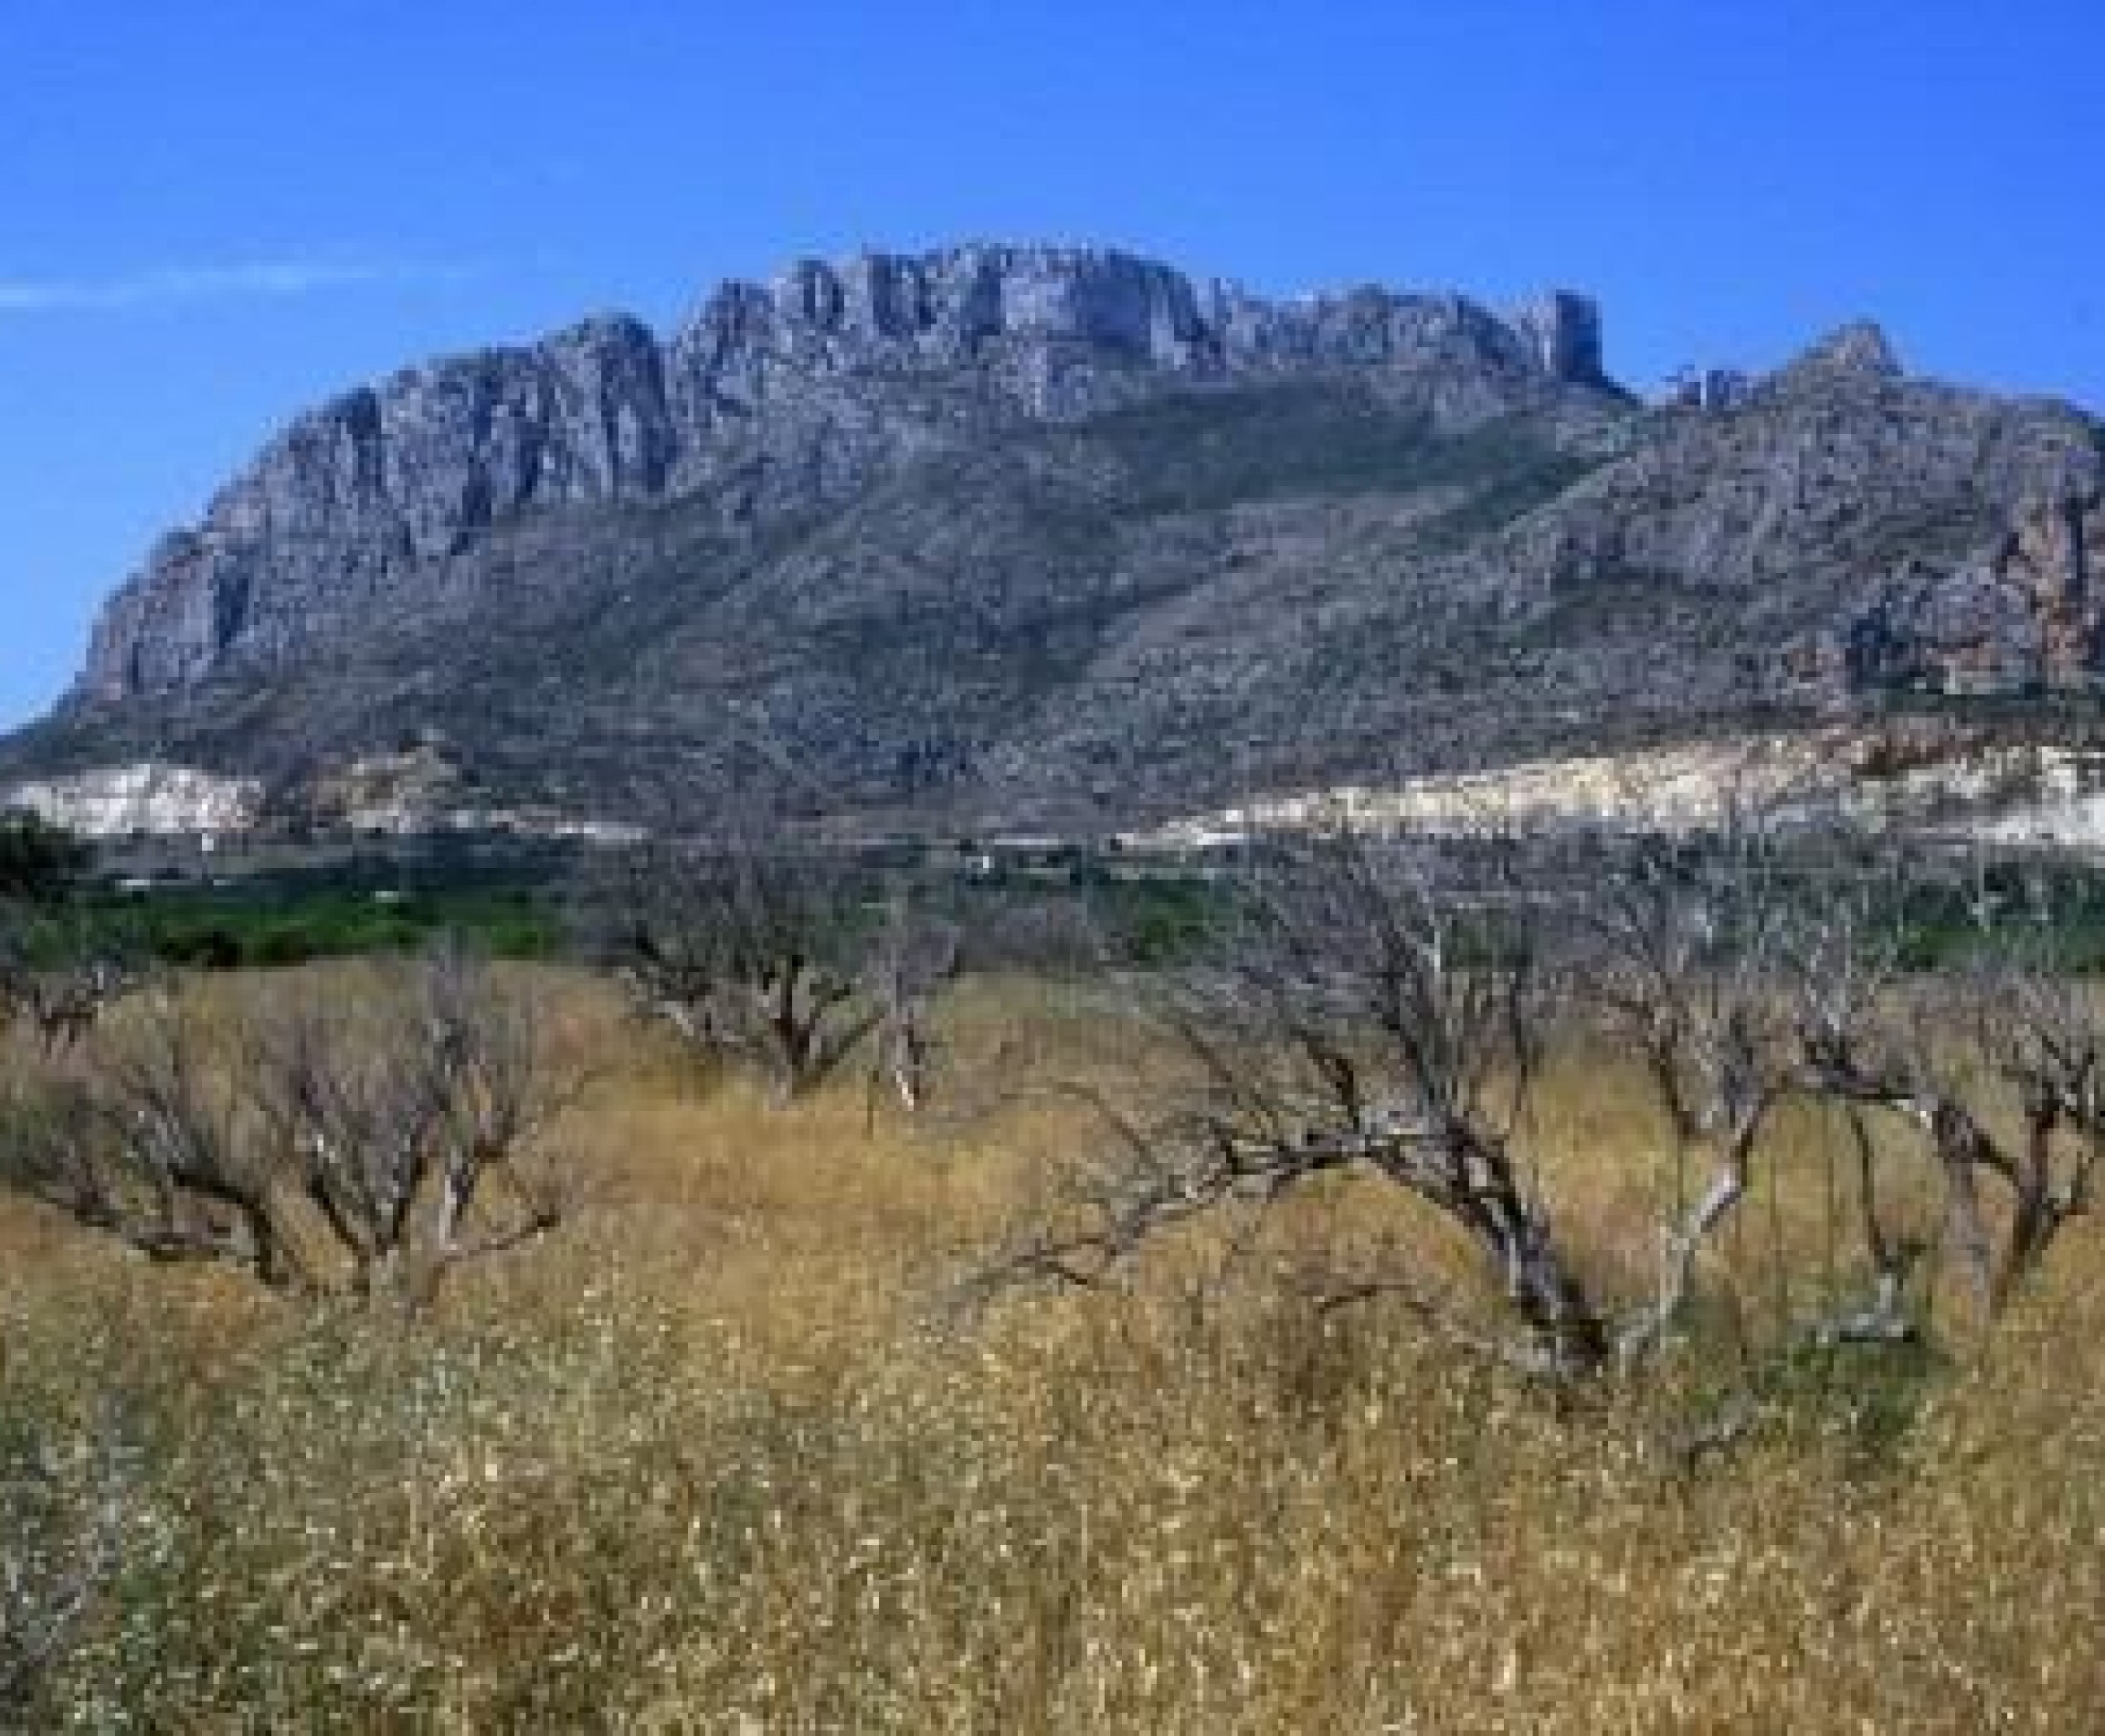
(1038, 539)
(786, 394)
(145, 800)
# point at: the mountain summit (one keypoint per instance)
(1064, 535)
(771, 400)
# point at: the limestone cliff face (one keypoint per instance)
(1049, 537)
(2025, 611)
(776, 397)
(380, 481)
(142, 800)
(1839, 456)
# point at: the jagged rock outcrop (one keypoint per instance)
(2023, 612)
(1853, 358)
(380, 481)
(1057, 537)
(1838, 454)
(777, 399)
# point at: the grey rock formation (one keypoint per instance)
(1564, 333)
(2021, 613)
(1838, 457)
(784, 397)
(1057, 537)
(1857, 356)
(1710, 389)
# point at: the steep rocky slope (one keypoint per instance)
(1061, 537)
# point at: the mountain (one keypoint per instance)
(1061, 537)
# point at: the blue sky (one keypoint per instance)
(212, 213)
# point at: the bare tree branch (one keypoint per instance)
(759, 951)
(1363, 1019)
(379, 1139)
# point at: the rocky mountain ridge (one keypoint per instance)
(1063, 537)
(773, 397)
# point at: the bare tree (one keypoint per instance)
(1679, 948)
(1364, 1018)
(909, 959)
(379, 1139)
(1385, 1006)
(406, 1123)
(1937, 1056)
(1770, 970)
(765, 955)
(1721, 959)
(148, 1142)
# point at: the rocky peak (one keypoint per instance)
(943, 305)
(1040, 537)
(950, 306)
(772, 398)
(1854, 356)
(1563, 331)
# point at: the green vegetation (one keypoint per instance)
(1196, 451)
(1200, 450)
(1538, 476)
(227, 927)
(1160, 921)
(39, 863)
(2053, 912)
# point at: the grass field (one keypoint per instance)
(735, 1451)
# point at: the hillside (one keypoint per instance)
(1063, 538)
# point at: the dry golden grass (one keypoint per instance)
(720, 1457)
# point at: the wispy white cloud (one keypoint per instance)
(248, 279)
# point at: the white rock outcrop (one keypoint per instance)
(118, 801)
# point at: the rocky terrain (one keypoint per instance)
(1063, 537)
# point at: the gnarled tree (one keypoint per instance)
(1943, 1056)
(1720, 957)
(1363, 1017)
(376, 1139)
(767, 955)
(1384, 1006)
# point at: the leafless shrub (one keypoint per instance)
(61, 1003)
(1363, 1019)
(149, 1141)
(407, 1125)
(1939, 1055)
(763, 956)
(65, 1004)
(910, 958)
(1384, 1007)
(380, 1138)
